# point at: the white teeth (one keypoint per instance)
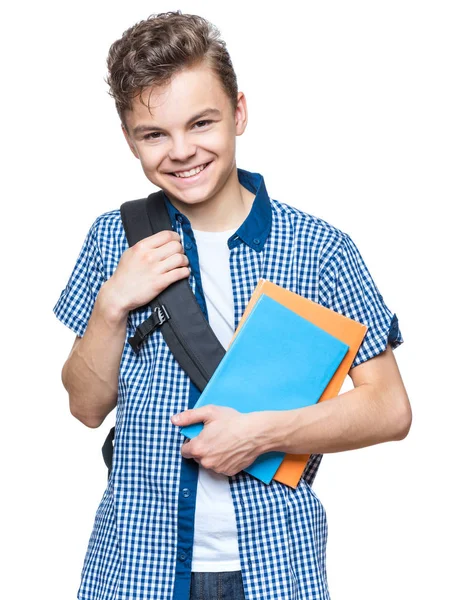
(191, 172)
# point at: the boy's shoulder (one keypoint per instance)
(109, 220)
(107, 237)
(305, 223)
(107, 228)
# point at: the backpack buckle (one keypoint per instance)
(158, 317)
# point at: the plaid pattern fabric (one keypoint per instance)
(133, 551)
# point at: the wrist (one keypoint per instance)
(110, 306)
(268, 430)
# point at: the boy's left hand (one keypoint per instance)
(228, 442)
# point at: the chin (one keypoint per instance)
(195, 195)
(191, 198)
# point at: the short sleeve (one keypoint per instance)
(77, 299)
(353, 293)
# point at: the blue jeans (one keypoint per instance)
(226, 585)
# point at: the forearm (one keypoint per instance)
(90, 374)
(358, 418)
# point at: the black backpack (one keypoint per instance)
(175, 310)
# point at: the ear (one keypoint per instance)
(241, 114)
(130, 142)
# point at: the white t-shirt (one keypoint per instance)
(215, 545)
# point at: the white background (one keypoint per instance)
(348, 120)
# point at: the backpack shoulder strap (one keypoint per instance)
(136, 219)
(183, 324)
(175, 310)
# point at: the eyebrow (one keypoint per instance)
(206, 112)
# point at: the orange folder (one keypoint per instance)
(347, 330)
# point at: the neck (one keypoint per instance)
(226, 210)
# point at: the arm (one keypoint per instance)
(377, 410)
(91, 372)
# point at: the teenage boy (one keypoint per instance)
(180, 520)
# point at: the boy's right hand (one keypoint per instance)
(146, 269)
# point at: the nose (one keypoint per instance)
(181, 149)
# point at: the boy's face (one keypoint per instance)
(192, 124)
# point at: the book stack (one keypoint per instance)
(287, 352)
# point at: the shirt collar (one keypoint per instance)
(256, 227)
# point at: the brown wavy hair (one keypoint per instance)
(153, 50)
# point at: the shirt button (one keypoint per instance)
(188, 245)
(179, 218)
(256, 241)
(186, 492)
(182, 557)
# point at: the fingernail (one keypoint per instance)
(175, 418)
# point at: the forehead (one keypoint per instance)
(188, 92)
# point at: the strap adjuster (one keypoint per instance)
(159, 317)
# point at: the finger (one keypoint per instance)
(172, 247)
(191, 415)
(173, 275)
(185, 450)
(160, 239)
(173, 262)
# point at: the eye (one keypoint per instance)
(154, 135)
(203, 122)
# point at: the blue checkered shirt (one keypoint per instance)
(140, 546)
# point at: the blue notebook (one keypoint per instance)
(277, 361)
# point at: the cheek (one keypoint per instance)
(222, 142)
(149, 159)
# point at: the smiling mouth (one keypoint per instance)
(192, 173)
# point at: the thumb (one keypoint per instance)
(190, 416)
